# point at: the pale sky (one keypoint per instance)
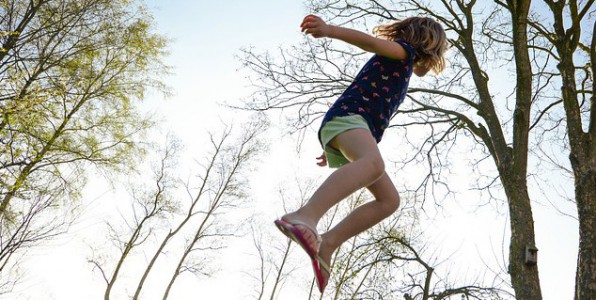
(206, 35)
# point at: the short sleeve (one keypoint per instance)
(407, 47)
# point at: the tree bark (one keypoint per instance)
(583, 162)
(585, 193)
(582, 144)
(524, 277)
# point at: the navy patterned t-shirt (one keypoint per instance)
(377, 91)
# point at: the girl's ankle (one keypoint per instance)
(329, 243)
(298, 216)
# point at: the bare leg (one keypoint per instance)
(365, 170)
(366, 167)
(362, 218)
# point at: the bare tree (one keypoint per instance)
(393, 261)
(575, 54)
(150, 206)
(426, 283)
(268, 267)
(182, 233)
(225, 190)
(275, 253)
(44, 217)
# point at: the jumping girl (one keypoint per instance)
(354, 125)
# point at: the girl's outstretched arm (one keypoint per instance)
(316, 27)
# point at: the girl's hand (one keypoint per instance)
(315, 26)
(322, 160)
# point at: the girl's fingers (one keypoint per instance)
(310, 28)
(314, 32)
(304, 21)
(322, 160)
(312, 25)
(311, 17)
(307, 19)
(306, 26)
(309, 24)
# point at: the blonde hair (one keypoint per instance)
(425, 35)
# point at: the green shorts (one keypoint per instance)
(331, 129)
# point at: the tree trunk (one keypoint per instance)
(585, 193)
(584, 167)
(524, 276)
(583, 162)
(582, 145)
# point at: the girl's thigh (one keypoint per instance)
(357, 144)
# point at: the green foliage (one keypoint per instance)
(71, 87)
(72, 76)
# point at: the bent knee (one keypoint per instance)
(391, 203)
(376, 167)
